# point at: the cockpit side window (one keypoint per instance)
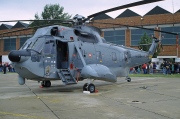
(88, 38)
(114, 57)
(49, 47)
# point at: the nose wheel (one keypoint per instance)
(128, 79)
(89, 87)
(46, 83)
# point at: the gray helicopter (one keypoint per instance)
(72, 54)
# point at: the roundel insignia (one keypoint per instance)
(150, 56)
(47, 70)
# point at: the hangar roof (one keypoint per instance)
(157, 10)
(177, 11)
(128, 13)
(102, 16)
(20, 25)
(5, 26)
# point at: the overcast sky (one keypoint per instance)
(26, 9)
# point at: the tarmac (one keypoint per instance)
(143, 98)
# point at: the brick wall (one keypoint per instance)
(155, 20)
(9, 33)
(108, 23)
(128, 38)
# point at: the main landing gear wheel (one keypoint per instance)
(46, 83)
(128, 79)
(89, 87)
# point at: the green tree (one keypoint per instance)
(51, 12)
(145, 43)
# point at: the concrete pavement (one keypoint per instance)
(143, 98)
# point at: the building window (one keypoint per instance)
(9, 44)
(136, 35)
(115, 36)
(168, 39)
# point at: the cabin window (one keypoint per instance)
(114, 57)
(88, 38)
(99, 56)
(54, 31)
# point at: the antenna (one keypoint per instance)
(173, 11)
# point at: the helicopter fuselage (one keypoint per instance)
(55, 51)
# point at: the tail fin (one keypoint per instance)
(153, 47)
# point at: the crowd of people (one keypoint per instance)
(6, 68)
(166, 67)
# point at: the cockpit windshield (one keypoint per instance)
(38, 44)
(26, 45)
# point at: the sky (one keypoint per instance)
(26, 9)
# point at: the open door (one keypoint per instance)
(62, 55)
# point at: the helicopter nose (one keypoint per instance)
(15, 55)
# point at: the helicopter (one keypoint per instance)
(72, 54)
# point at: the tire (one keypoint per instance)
(47, 83)
(91, 88)
(128, 79)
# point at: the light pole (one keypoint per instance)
(142, 20)
(177, 44)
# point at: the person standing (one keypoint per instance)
(154, 67)
(4, 68)
(144, 67)
(151, 68)
(172, 68)
(168, 66)
(178, 67)
(1, 67)
(164, 68)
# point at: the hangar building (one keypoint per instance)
(157, 18)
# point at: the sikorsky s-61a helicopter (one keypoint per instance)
(72, 54)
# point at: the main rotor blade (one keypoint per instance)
(138, 27)
(23, 29)
(34, 20)
(124, 6)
